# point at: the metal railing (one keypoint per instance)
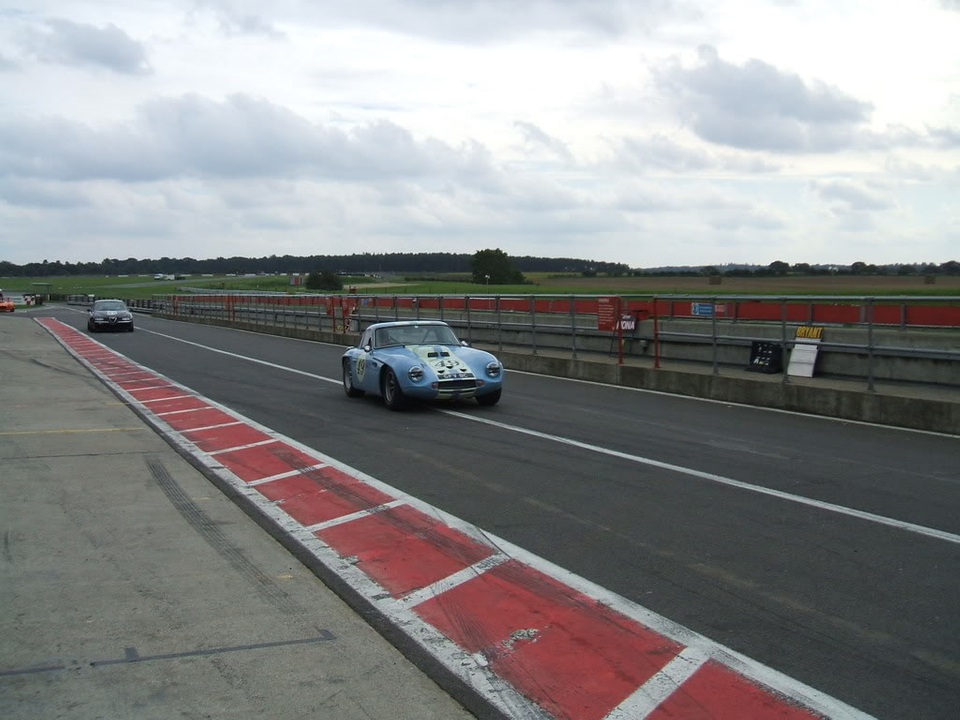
(672, 327)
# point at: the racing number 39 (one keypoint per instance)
(361, 366)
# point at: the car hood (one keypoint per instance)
(445, 359)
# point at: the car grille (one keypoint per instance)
(458, 385)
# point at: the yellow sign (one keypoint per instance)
(809, 331)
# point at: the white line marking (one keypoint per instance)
(242, 447)
(694, 398)
(206, 427)
(860, 514)
(177, 412)
(454, 580)
(645, 699)
(155, 387)
(281, 476)
(171, 397)
(360, 514)
(245, 357)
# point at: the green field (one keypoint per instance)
(144, 286)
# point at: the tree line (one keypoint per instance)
(355, 264)
(778, 268)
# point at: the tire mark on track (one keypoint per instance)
(214, 537)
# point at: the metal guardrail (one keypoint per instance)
(500, 319)
(570, 329)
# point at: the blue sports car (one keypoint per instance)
(419, 359)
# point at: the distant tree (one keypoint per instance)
(710, 270)
(778, 267)
(493, 267)
(801, 268)
(951, 267)
(906, 270)
(323, 280)
(858, 268)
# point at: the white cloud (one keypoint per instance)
(757, 106)
(193, 136)
(70, 43)
(565, 127)
(846, 195)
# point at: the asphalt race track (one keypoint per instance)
(632, 490)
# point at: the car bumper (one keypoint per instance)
(447, 391)
(107, 324)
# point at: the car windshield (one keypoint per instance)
(109, 305)
(415, 335)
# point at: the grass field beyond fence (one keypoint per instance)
(144, 286)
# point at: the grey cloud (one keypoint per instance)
(239, 137)
(40, 194)
(847, 195)
(911, 170)
(757, 106)
(238, 23)
(7, 65)
(751, 220)
(944, 136)
(472, 21)
(71, 43)
(657, 152)
(535, 137)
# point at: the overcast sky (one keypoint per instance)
(649, 132)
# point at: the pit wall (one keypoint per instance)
(860, 405)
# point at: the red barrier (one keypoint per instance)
(747, 310)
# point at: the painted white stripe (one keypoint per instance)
(360, 514)
(207, 427)
(249, 359)
(177, 412)
(860, 514)
(172, 397)
(819, 504)
(661, 686)
(154, 387)
(693, 398)
(452, 581)
(281, 476)
(214, 453)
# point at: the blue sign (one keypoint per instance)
(701, 309)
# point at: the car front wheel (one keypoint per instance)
(393, 396)
(490, 398)
(348, 387)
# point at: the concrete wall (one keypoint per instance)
(890, 361)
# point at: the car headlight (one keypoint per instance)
(493, 368)
(415, 373)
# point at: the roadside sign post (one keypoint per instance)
(656, 334)
(573, 327)
(620, 330)
(713, 332)
(783, 334)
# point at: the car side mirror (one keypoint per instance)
(368, 348)
(464, 343)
